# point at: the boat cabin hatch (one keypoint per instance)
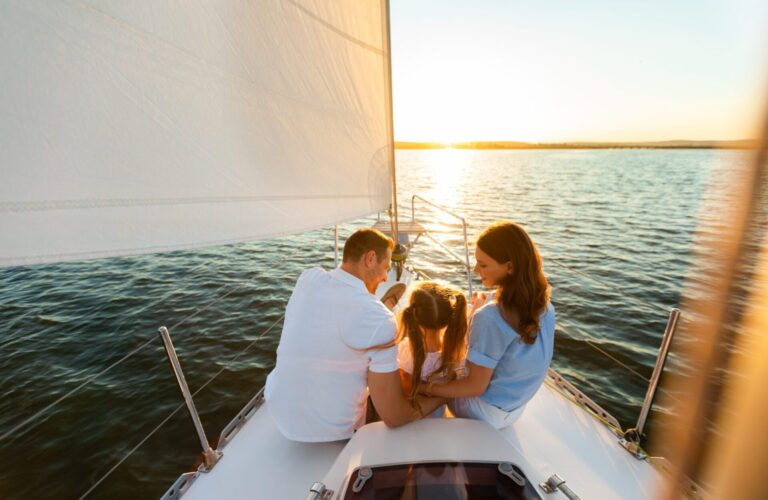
(440, 481)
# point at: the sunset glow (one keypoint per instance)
(578, 71)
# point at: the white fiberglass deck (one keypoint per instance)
(553, 436)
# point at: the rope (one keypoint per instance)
(174, 412)
(599, 281)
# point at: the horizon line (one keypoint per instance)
(505, 144)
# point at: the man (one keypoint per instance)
(333, 353)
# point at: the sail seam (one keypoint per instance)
(41, 206)
(125, 252)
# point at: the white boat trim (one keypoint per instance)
(553, 436)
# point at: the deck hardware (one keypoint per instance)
(583, 400)
(631, 443)
(363, 475)
(669, 332)
(399, 254)
(210, 457)
(240, 419)
(318, 491)
(633, 438)
(555, 483)
(180, 486)
(508, 470)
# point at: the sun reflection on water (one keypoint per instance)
(448, 171)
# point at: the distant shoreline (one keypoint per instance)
(681, 144)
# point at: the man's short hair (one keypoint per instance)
(363, 241)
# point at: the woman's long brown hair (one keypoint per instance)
(434, 306)
(525, 290)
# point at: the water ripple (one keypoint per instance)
(616, 230)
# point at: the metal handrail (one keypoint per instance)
(650, 395)
(210, 457)
(634, 438)
(439, 207)
(445, 249)
(464, 229)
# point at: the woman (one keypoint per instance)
(511, 337)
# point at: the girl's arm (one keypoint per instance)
(474, 385)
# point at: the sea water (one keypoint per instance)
(616, 229)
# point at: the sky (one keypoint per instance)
(578, 70)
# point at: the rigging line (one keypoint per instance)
(9, 342)
(118, 464)
(640, 375)
(599, 281)
(174, 412)
(590, 343)
(71, 392)
(207, 306)
(234, 289)
(130, 354)
(93, 377)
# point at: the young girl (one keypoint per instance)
(432, 336)
(511, 337)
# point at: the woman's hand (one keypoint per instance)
(477, 301)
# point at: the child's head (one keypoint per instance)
(435, 307)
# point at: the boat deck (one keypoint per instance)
(553, 436)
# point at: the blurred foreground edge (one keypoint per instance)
(732, 462)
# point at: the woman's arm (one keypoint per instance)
(474, 385)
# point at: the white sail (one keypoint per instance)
(155, 125)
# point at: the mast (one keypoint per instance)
(390, 122)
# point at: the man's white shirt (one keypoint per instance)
(318, 389)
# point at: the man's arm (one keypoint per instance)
(392, 405)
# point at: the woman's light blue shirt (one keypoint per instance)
(518, 368)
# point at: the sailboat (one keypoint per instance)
(140, 128)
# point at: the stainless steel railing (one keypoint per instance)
(210, 457)
(465, 261)
(661, 359)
